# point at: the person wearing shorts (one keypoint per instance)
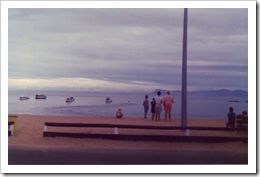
(167, 103)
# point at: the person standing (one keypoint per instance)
(231, 118)
(167, 103)
(158, 106)
(146, 106)
(153, 108)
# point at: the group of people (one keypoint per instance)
(157, 104)
(166, 102)
(232, 117)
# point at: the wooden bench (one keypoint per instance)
(13, 119)
(241, 122)
(117, 136)
(10, 128)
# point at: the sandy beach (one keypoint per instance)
(29, 134)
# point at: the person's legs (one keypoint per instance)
(167, 109)
(157, 114)
(160, 110)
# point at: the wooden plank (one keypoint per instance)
(9, 133)
(157, 138)
(55, 124)
(12, 115)
(242, 121)
(10, 128)
(10, 123)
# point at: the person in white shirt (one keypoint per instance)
(158, 106)
(167, 103)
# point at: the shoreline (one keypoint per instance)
(29, 134)
(128, 117)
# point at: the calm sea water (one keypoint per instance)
(93, 104)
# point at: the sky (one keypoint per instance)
(127, 49)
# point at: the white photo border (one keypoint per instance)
(250, 168)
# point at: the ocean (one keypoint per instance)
(93, 104)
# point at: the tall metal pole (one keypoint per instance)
(184, 72)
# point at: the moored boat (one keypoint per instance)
(129, 102)
(108, 100)
(70, 99)
(233, 100)
(236, 101)
(24, 98)
(41, 96)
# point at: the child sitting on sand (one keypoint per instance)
(119, 113)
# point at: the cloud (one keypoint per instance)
(127, 45)
(82, 84)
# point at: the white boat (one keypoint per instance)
(24, 98)
(129, 102)
(233, 100)
(108, 100)
(42, 96)
(70, 99)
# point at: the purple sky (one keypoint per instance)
(127, 49)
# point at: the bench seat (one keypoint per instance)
(117, 136)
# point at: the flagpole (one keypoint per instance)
(184, 71)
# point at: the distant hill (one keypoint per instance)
(220, 92)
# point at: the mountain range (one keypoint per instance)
(220, 92)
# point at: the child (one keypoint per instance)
(146, 106)
(153, 108)
(119, 113)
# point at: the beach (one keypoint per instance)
(29, 134)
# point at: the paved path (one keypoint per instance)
(20, 156)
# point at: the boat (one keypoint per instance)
(233, 100)
(21, 98)
(129, 102)
(41, 96)
(70, 99)
(108, 100)
(24, 98)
